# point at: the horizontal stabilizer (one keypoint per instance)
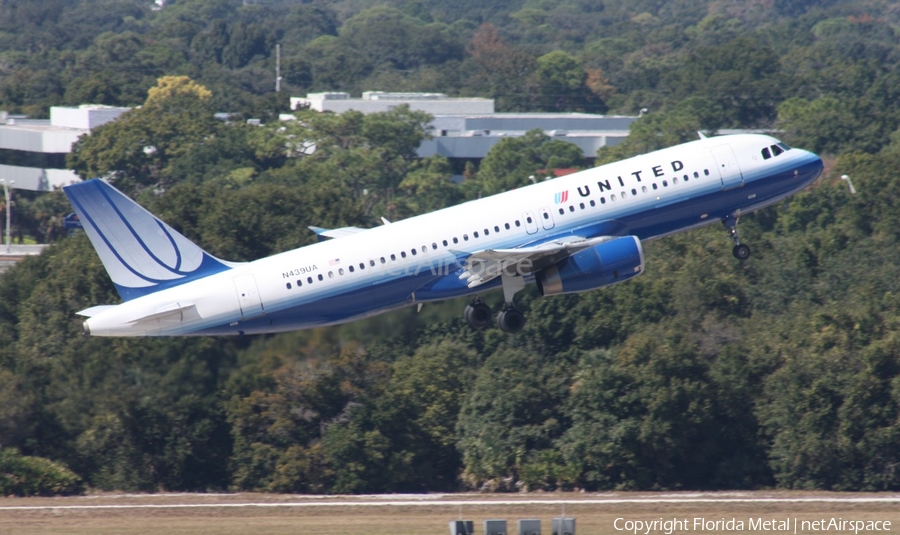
(174, 311)
(322, 233)
(93, 311)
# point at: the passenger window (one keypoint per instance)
(299, 283)
(445, 243)
(433, 246)
(571, 208)
(402, 254)
(546, 215)
(455, 239)
(685, 178)
(612, 197)
(706, 172)
(643, 189)
(465, 237)
(413, 251)
(362, 265)
(561, 211)
(352, 269)
(623, 195)
(633, 191)
(383, 261)
(486, 232)
(506, 226)
(602, 200)
(517, 223)
(309, 280)
(593, 203)
(675, 180)
(475, 234)
(697, 175)
(341, 271)
(330, 274)
(665, 184)
(528, 219)
(321, 277)
(497, 228)
(581, 205)
(393, 257)
(288, 286)
(655, 186)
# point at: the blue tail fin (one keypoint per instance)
(141, 253)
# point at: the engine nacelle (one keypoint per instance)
(601, 265)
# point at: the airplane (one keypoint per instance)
(571, 234)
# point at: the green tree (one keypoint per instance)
(520, 161)
(560, 85)
(513, 408)
(136, 149)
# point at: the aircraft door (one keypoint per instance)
(547, 219)
(727, 164)
(248, 296)
(531, 225)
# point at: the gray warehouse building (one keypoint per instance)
(467, 128)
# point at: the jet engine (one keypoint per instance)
(603, 264)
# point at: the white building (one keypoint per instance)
(380, 101)
(466, 128)
(472, 136)
(33, 151)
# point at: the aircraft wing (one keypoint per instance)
(322, 233)
(484, 266)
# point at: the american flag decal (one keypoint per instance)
(334, 262)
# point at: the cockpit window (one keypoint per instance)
(766, 154)
(784, 146)
(776, 150)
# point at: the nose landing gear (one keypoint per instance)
(740, 250)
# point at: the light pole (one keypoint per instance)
(849, 183)
(6, 186)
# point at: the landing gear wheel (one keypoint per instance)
(511, 320)
(478, 315)
(741, 252)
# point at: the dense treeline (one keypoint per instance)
(703, 373)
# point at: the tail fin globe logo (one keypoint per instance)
(140, 252)
(561, 197)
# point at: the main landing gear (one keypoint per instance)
(740, 250)
(479, 316)
(510, 319)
